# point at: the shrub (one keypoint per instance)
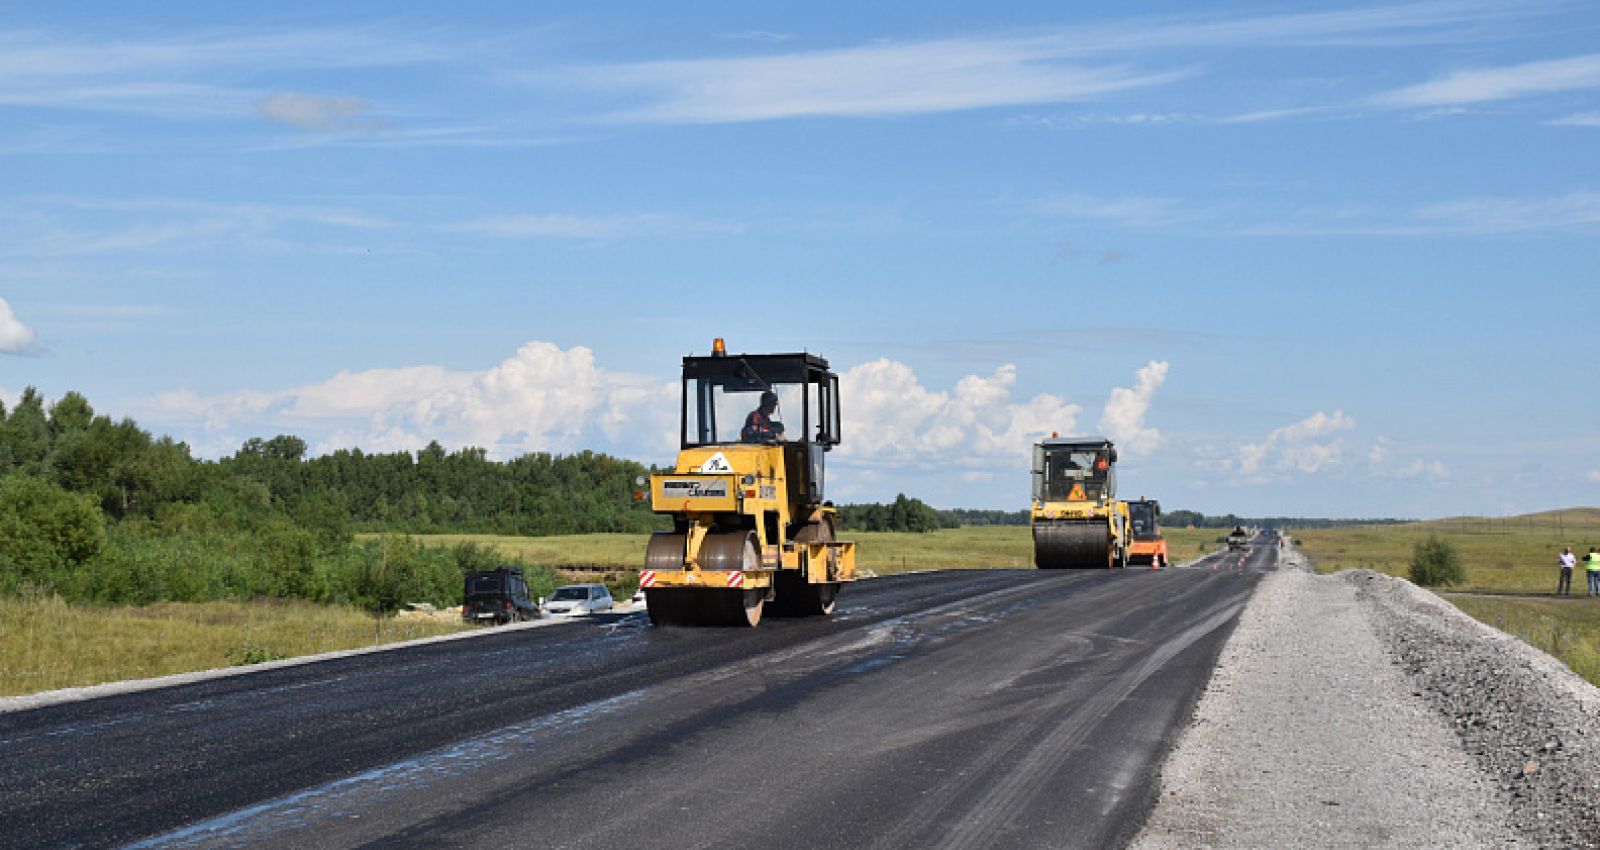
(1435, 563)
(45, 531)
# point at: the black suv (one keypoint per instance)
(498, 596)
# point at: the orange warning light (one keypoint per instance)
(719, 348)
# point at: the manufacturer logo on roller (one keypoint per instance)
(695, 488)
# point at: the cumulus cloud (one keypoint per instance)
(1301, 447)
(542, 398)
(1123, 419)
(15, 337)
(315, 112)
(891, 419)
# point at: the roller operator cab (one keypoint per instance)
(1146, 546)
(751, 532)
(1076, 518)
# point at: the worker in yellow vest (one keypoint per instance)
(1591, 564)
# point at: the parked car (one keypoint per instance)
(574, 600)
(497, 596)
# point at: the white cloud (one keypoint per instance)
(891, 419)
(542, 398)
(1056, 66)
(1481, 216)
(1512, 215)
(1123, 419)
(54, 225)
(1264, 115)
(315, 112)
(1091, 119)
(1419, 468)
(1300, 447)
(15, 337)
(875, 80)
(1489, 84)
(1594, 475)
(1385, 465)
(1581, 119)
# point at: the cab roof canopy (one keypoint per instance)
(771, 367)
(1076, 441)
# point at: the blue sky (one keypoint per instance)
(1297, 258)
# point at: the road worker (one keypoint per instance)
(1591, 564)
(1568, 562)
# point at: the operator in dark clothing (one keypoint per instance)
(758, 426)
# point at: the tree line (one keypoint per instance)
(97, 510)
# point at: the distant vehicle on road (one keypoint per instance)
(574, 600)
(497, 596)
(1239, 539)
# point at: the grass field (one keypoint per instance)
(877, 552)
(46, 644)
(1568, 630)
(1515, 556)
(1511, 555)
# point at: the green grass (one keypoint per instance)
(1512, 556)
(47, 644)
(1567, 629)
(877, 552)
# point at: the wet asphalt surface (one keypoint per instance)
(1005, 708)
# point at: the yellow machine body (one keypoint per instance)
(751, 531)
(1076, 520)
(1146, 546)
(756, 488)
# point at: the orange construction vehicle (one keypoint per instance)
(1146, 545)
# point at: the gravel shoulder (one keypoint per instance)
(1358, 711)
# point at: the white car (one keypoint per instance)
(575, 600)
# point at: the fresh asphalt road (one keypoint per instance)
(1006, 708)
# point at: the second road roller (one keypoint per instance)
(1146, 546)
(1077, 520)
(751, 531)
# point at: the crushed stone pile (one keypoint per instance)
(1530, 724)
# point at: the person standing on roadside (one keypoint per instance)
(1568, 562)
(1591, 565)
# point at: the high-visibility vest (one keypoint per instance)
(1591, 562)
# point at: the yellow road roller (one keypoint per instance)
(751, 531)
(1077, 521)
